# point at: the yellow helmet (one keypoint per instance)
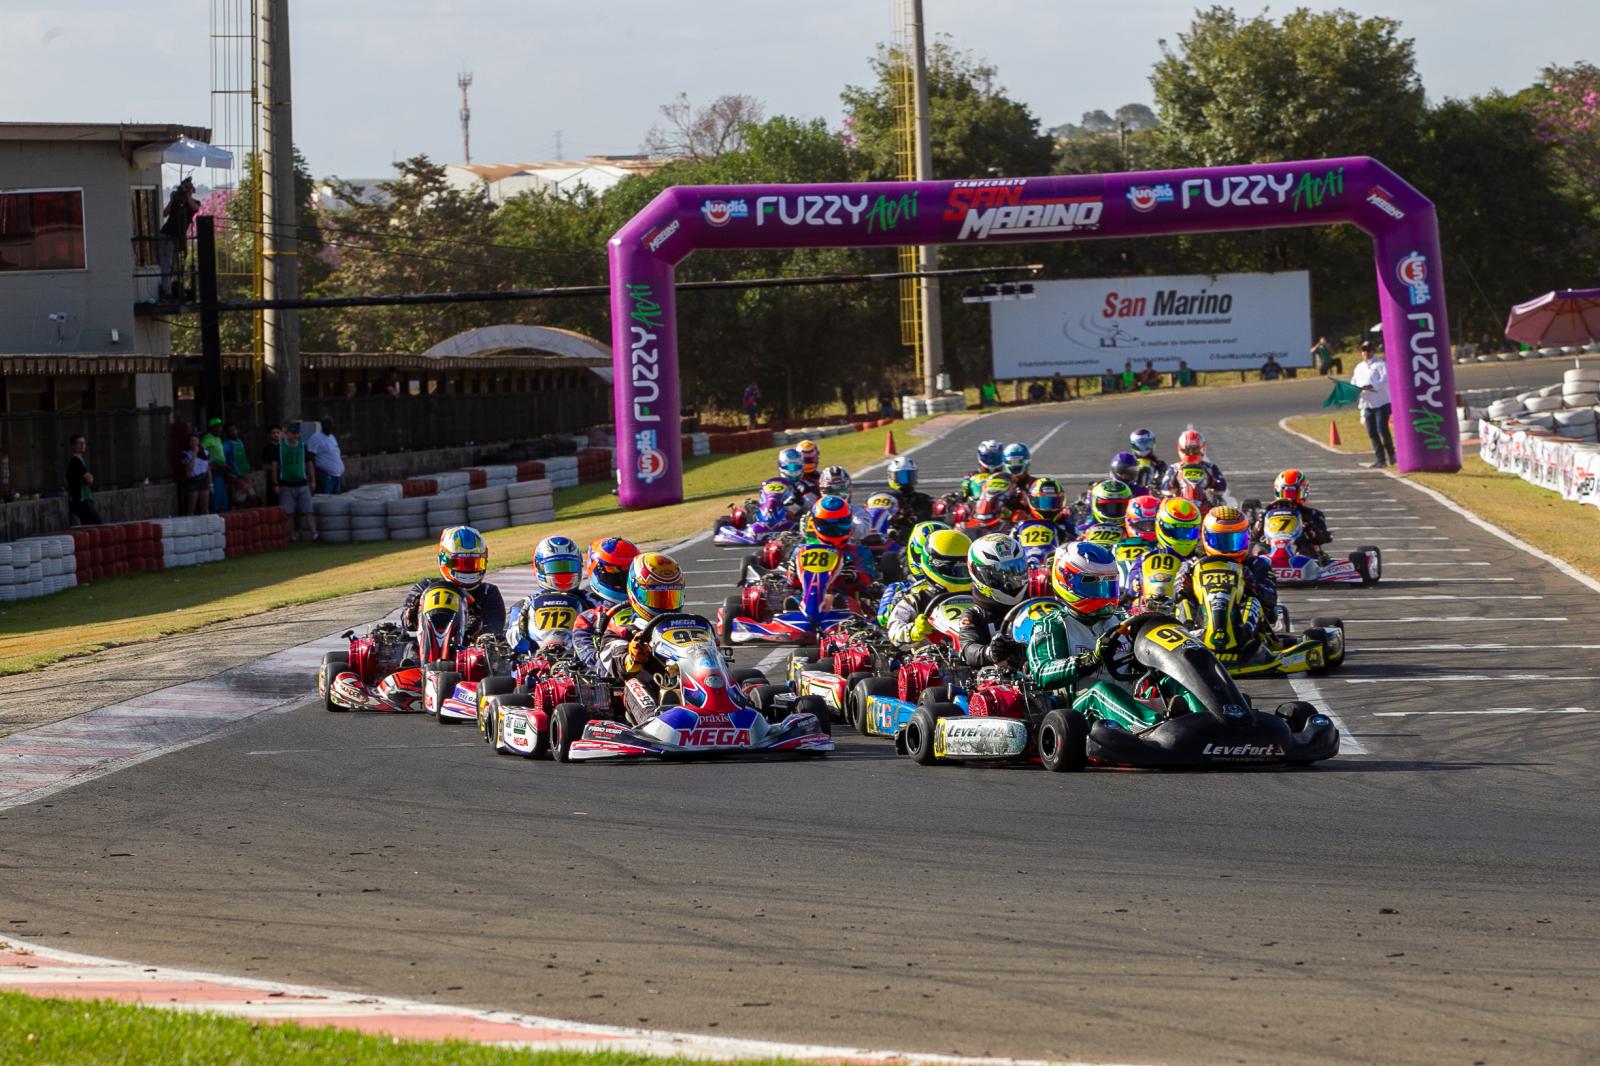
(463, 556)
(944, 560)
(810, 456)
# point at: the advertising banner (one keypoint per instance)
(1088, 326)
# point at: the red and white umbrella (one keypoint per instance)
(1566, 317)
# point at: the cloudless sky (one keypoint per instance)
(374, 80)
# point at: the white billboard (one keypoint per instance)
(1214, 322)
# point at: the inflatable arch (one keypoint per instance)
(1358, 190)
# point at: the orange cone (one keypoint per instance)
(1333, 434)
(888, 444)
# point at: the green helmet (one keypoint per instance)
(917, 546)
(1108, 502)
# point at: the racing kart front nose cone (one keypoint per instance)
(1205, 740)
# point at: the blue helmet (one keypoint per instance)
(791, 464)
(990, 455)
(1016, 458)
(558, 564)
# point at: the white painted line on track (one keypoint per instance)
(773, 658)
(1041, 441)
(1417, 596)
(1474, 562)
(1460, 618)
(1337, 527)
(1474, 580)
(1416, 551)
(1481, 647)
(1487, 710)
(1306, 689)
(1437, 678)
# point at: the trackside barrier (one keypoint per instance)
(1546, 459)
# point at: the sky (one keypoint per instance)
(375, 80)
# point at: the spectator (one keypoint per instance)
(79, 481)
(238, 461)
(1327, 363)
(269, 459)
(173, 247)
(1148, 378)
(1128, 379)
(847, 396)
(886, 401)
(1183, 377)
(1372, 378)
(1058, 387)
(751, 403)
(1036, 392)
(1271, 370)
(196, 476)
(989, 395)
(211, 444)
(323, 447)
(1108, 383)
(292, 470)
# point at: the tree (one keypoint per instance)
(1137, 117)
(976, 130)
(703, 133)
(1317, 84)
(1566, 107)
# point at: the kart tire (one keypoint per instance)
(444, 684)
(566, 726)
(817, 706)
(1063, 741)
(746, 674)
(1331, 623)
(1369, 575)
(333, 664)
(765, 697)
(717, 524)
(495, 685)
(1321, 636)
(919, 734)
(1297, 713)
(933, 694)
(731, 608)
(856, 698)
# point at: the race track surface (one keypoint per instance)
(1432, 900)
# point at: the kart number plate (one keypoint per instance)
(1217, 580)
(546, 619)
(1161, 564)
(441, 599)
(1038, 537)
(684, 636)
(818, 560)
(1103, 536)
(1281, 523)
(1169, 637)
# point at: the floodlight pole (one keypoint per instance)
(927, 254)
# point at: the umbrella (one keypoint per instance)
(1343, 394)
(1566, 317)
(185, 152)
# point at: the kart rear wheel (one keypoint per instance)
(444, 684)
(933, 694)
(1332, 623)
(1370, 567)
(765, 697)
(1325, 639)
(732, 607)
(815, 705)
(920, 732)
(1064, 741)
(747, 674)
(857, 695)
(566, 726)
(1297, 713)
(333, 664)
(493, 685)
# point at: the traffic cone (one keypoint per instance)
(888, 444)
(1333, 434)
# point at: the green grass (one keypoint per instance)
(1352, 434)
(98, 1033)
(139, 607)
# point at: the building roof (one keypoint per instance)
(130, 135)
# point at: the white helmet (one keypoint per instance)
(999, 569)
(835, 481)
(902, 472)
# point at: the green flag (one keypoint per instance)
(1343, 394)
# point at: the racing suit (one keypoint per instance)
(982, 642)
(486, 610)
(914, 507)
(1134, 592)
(891, 596)
(1258, 582)
(1152, 470)
(974, 482)
(1066, 651)
(1313, 528)
(525, 612)
(590, 629)
(907, 621)
(1217, 484)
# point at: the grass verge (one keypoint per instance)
(94, 1032)
(80, 621)
(1569, 531)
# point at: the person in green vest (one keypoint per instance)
(211, 444)
(238, 459)
(292, 470)
(1129, 378)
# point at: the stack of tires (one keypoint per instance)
(333, 518)
(562, 471)
(407, 518)
(368, 517)
(191, 540)
(1580, 398)
(445, 511)
(37, 566)
(528, 502)
(594, 464)
(254, 529)
(487, 509)
(111, 551)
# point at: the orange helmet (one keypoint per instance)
(1191, 445)
(831, 521)
(1292, 485)
(1226, 533)
(810, 456)
(605, 568)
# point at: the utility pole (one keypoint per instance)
(205, 250)
(927, 254)
(279, 212)
(464, 79)
(559, 156)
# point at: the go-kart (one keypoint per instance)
(1227, 621)
(770, 610)
(450, 687)
(700, 708)
(384, 669)
(881, 704)
(851, 651)
(756, 521)
(1192, 481)
(1229, 732)
(1038, 540)
(1280, 531)
(991, 512)
(516, 714)
(1156, 574)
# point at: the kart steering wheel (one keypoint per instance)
(1122, 665)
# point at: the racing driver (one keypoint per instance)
(463, 560)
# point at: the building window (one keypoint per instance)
(146, 204)
(41, 229)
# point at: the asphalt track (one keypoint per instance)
(1431, 900)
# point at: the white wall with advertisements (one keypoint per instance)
(1214, 322)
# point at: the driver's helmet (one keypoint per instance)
(831, 520)
(655, 585)
(772, 495)
(835, 481)
(605, 568)
(1178, 526)
(463, 556)
(810, 456)
(999, 570)
(917, 545)
(1140, 520)
(557, 565)
(1191, 446)
(1084, 576)
(902, 473)
(1143, 442)
(791, 464)
(1226, 533)
(1045, 499)
(992, 497)
(1015, 458)
(990, 455)
(944, 562)
(1292, 485)
(1124, 467)
(1108, 502)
